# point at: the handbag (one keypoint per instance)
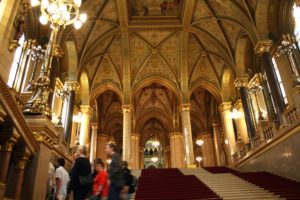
(86, 180)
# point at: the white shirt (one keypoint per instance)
(61, 173)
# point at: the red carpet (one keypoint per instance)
(171, 184)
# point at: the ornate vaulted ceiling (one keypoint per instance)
(143, 39)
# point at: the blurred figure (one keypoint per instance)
(128, 179)
(51, 182)
(62, 180)
(81, 169)
(100, 182)
(115, 172)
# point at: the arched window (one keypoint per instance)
(16, 62)
(296, 14)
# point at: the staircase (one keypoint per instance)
(229, 186)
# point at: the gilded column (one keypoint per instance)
(166, 150)
(177, 153)
(247, 118)
(228, 129)
(241, 123)
(84, 138)
(19, 177)
(187, 135)
(102, 141)
(135, 153)
(71, 87)
(208, 150)
(127, 112)
(93, 141)
(217, 142)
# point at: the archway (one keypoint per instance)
(155, 107)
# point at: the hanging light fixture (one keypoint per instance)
(59, 13)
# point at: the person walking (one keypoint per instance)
(127, 189)
(62, 179)
(81, 178)
(100, 182)
(115, 172)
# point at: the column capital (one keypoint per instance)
(72, 86)
(94, 126)
(135, 136)
(185, 107)
(263, 46)
(86, 109)
(215, 123)
(238, 104)
(166, 148)
(175, 135)
(225, 106)
(10, 143)
(241, 82)
(127, 108)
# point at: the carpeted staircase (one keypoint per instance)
(213, 183)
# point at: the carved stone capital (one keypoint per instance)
(85, 109)
(185, 107)
(72, 86)
(94, 126)
(297, 2)
(127, 108)
(21, 164)
(241, 82)
(225, 106)
(263, 46)
(135, 136)
(176, 135)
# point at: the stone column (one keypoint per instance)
(187, 135)
(141, 152)
(217, 142)
(72, 87)
(5, 153)
(241, 123)
(208, 150)
(93, 141)
(127, 120)
(135, 153)
(228, 129)
(84, 138)
(19, 177)
(166, 150)
(245, 108)
(263, 48)
(177, 153)
(102, 141)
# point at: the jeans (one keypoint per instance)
(114, 193)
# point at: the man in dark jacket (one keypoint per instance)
(115, 173)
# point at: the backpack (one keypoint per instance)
(133, 184)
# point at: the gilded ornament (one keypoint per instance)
(13, 44)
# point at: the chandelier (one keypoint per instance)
(60, 12)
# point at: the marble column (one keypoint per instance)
(5, 153)
(166, 151)
(72, 87)
(135, 153)
(217, 142)
(208, 150)
(176, 148)
(127, 120)
(263, 48)
(141, 152)
(19, 177)
(228, 129)
(84, 138)
(93, 141)
(102, 141)
(244, 107)
(187, 135)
